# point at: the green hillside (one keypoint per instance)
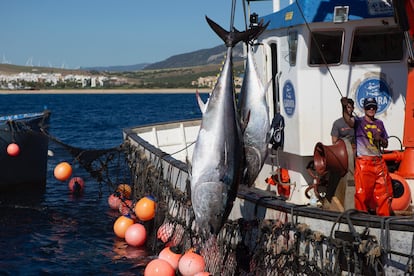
(155, 78)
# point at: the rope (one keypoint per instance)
(233, 11)
(319, 49)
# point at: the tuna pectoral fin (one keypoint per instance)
(189, 166)
(254, 165)
(245, 122)
(201, 104)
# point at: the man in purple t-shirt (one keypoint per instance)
(373, 187)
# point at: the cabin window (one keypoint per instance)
(326, 47)
(370, 45)
(293, 47)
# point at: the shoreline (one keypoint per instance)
(109, 91)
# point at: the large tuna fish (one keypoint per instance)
(216, 164)
(254, 110)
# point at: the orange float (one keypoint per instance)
(114, 201)
(121, 225)
(136, 235)
(125, 190)
(401, 193)
(145, 208)
(13, 149)
(191, 263)
(159, 267)
(172, 255)
(63, 171)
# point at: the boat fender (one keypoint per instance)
(401, 193)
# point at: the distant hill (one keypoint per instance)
(197, 58)
(119, 68)
(205, 57)
(209, 56)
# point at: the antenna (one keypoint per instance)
(29, 62)
(4, 61)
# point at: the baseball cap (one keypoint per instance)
(370, 102)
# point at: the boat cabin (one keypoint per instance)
(316, 52)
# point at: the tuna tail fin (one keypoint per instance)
(233, 37)
(260, 30)
(256, 31)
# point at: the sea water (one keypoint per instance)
(58, 233)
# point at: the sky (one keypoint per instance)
(85, 33)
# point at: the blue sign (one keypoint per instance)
(289, 100)
(374, 88)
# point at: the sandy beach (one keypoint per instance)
(107, 91)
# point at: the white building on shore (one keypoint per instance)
(14, 81)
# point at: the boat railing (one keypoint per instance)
(174, 138)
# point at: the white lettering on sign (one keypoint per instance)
(379, 7)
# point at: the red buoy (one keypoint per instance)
(191, 263)
(159, 267)
(13, 149)
(76, 185)
(114, 201)
(63, 171)
(136, 235)
(171, 255)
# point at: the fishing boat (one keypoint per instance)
(24, 152)
(298, 217)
